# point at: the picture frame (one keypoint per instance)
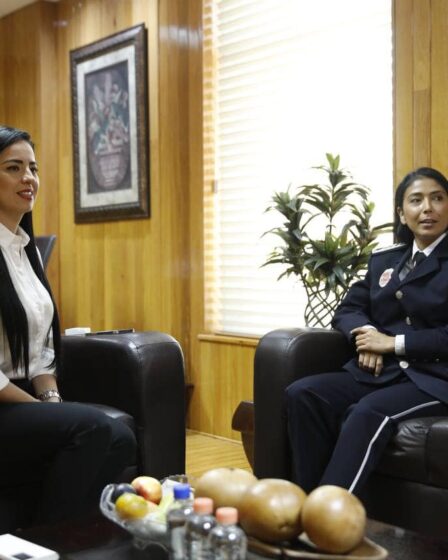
(109, 83)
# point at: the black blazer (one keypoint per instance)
(416, 306)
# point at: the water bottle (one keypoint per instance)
(199, 524)
(176, 518)
(227, 541)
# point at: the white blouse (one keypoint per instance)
(37, 304)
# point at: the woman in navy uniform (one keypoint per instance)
(397, 319)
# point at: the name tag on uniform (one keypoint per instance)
(385, 277)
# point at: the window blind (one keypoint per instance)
(285, 81)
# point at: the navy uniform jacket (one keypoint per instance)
(417, 307)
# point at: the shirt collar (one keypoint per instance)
(430, 248)
(8, 238)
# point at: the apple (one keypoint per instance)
(334, 519)
(225, 486)
(270, 510)
(131, 506)
(148, 487)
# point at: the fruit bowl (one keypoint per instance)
(150, 529)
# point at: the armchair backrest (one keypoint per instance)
(45, 244)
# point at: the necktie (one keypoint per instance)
(418, 258)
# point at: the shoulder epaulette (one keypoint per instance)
(394, 247)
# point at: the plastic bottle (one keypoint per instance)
(227, 540)
(176, 518)
(199, 524)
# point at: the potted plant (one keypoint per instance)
(327, 265)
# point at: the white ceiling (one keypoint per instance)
(8, 6)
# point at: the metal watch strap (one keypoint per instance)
(48, 394)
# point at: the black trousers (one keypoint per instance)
(338, 427)
(65, 452)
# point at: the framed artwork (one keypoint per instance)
(110, 127)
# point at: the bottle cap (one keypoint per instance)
(227, 515)
(181, 491)
(203, 505)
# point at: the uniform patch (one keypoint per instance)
(385, 277)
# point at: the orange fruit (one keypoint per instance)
(131, 506)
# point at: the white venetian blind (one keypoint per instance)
(285, 81)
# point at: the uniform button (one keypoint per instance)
(403, 364)
(408, 321)
(398, 294)
(437, 360)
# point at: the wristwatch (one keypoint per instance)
(49, 394)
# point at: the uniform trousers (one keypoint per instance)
(68, 451)
(338, 427)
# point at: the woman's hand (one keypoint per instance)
(371, 362)
(372, 341)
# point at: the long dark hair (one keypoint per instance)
(402, 232)
(15, 323)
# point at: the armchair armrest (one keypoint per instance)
(281, 357)
(141, 374)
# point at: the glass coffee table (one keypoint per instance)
(97, 538)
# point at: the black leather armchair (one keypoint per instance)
(136, 377)
(45, 244)
(409, 487)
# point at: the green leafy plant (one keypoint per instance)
(326, 266)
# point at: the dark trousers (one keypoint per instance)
(338, 427)
(64, 452)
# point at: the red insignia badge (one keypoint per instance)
(385, 277)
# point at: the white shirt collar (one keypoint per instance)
(7, 237)
(430, 248)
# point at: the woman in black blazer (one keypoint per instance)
(67, 451)
(397, 320)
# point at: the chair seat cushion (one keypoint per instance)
(418, 453)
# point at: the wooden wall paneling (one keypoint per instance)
(403, 88)
(46, 221)
(3, 85)
(148, 279)
(439, 79)
(119, 281)
(422, 83)
(68, 34)
(174, 175)
(21, 69)
(226, 378)
(91, 278)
